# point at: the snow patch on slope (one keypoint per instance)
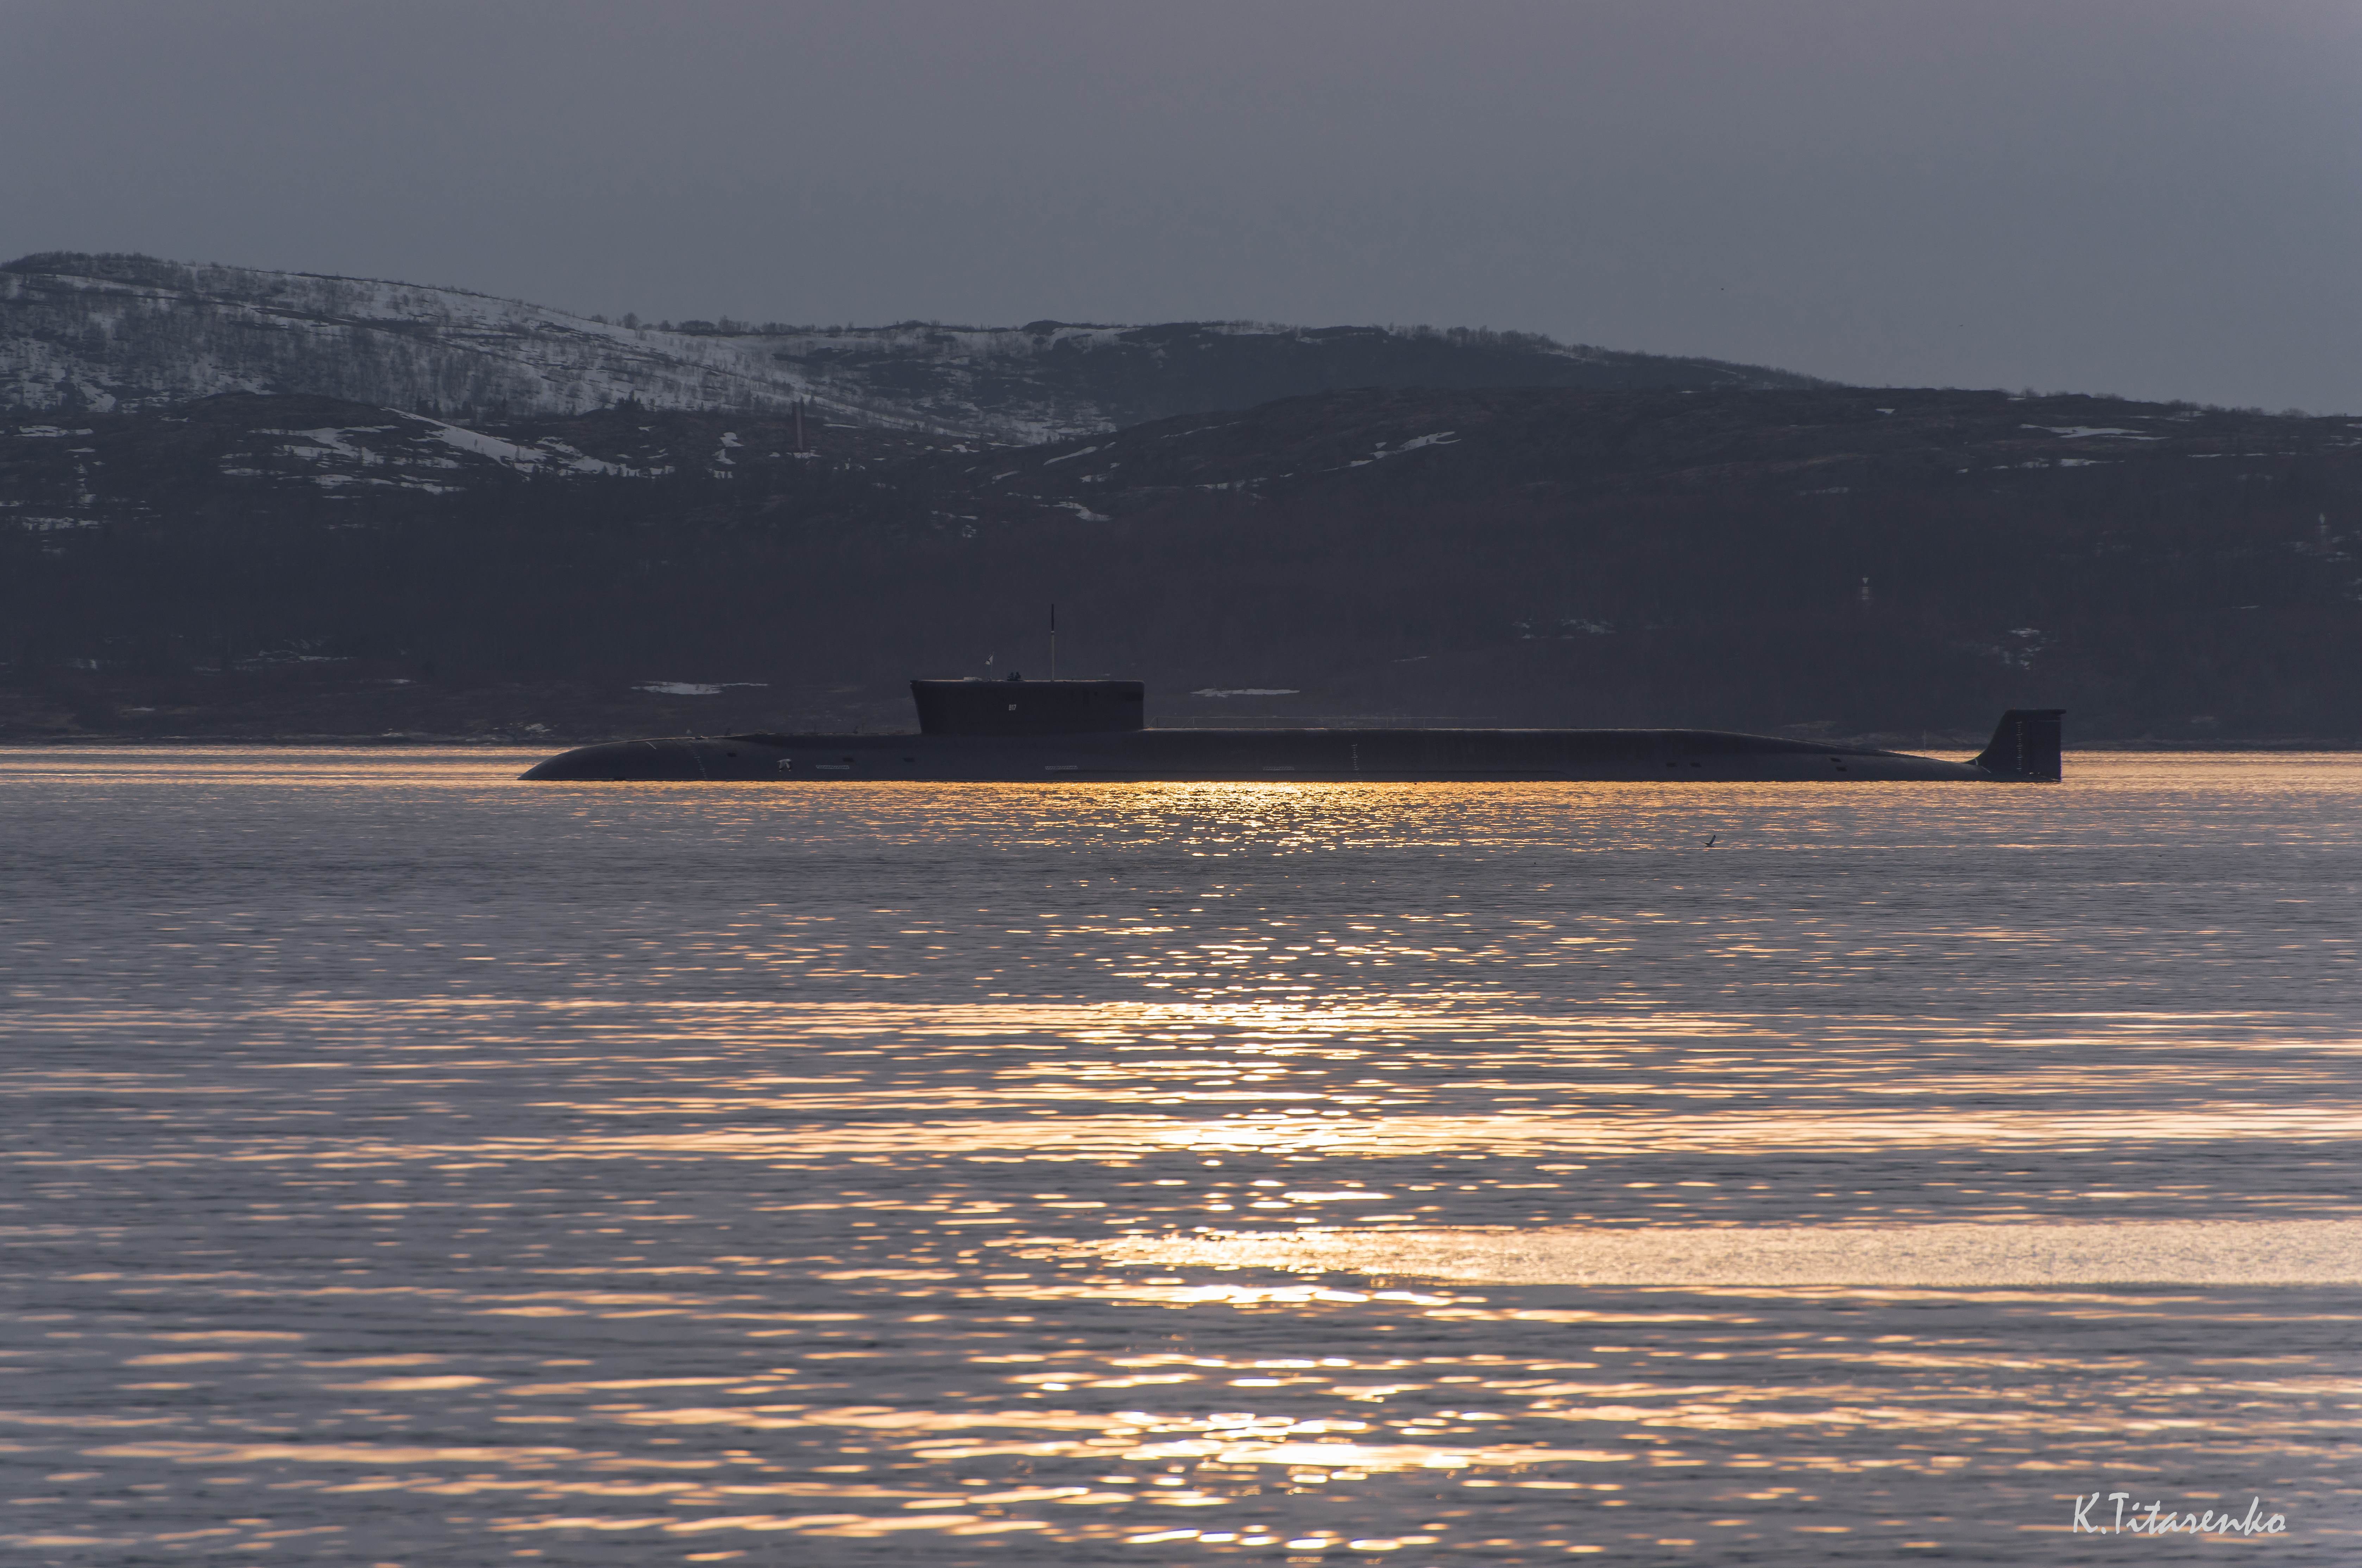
(103, 333)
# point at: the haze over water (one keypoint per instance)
(409, 1165)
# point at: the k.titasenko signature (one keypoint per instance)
(2107, 1513)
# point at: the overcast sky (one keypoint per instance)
(2143, 196)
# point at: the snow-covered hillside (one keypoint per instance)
(113, 332)
(105, 333)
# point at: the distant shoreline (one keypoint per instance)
(560, 743)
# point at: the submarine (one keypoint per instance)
(1015, 730)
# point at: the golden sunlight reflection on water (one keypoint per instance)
(418, 1167)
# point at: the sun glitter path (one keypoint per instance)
(2294, 1252)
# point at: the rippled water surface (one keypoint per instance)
(408, 1165)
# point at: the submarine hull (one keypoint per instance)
(1471, 755)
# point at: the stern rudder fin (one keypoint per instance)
(2024, 747)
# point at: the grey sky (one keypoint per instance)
(2141, 196)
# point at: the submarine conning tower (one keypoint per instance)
(1017, 706)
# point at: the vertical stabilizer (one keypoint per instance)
(2025, 747)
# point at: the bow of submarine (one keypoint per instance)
(635, 759)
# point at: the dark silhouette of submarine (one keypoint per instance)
(1048, 730)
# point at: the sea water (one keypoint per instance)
(408, 1165)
